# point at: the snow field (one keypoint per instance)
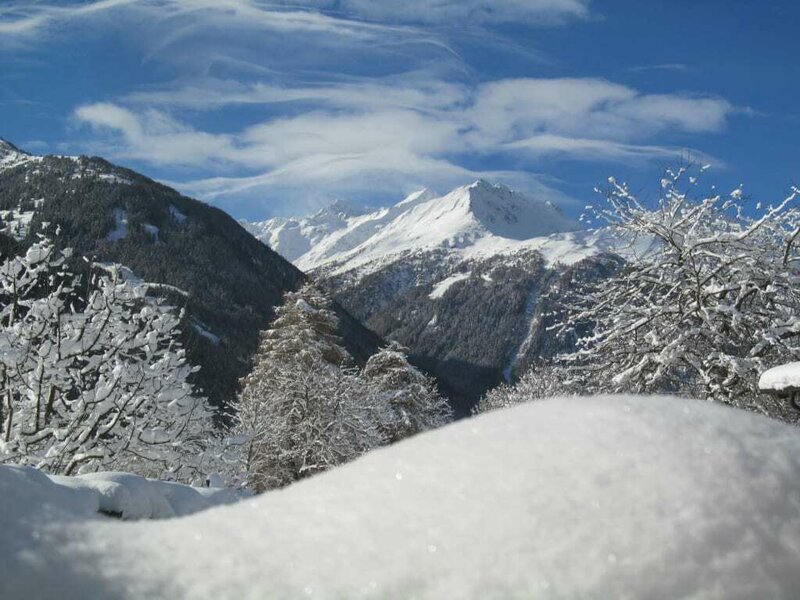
(604, 497)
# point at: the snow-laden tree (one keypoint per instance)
(302, 409)
(409, 400)
(708, 298)
(542, 380)
(92, 374)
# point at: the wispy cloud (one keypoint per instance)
(313, 118)
(443, 12)
(602, 150)
(383, 134)
(660, 67)
(349, 17)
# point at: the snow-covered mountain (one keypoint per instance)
(297, 236)
(113, 214)
(468, 281)
(477, 220)
(11, 156)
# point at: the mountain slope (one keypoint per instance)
(113, 214)
(469, 281)
(480, 219)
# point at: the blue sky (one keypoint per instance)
(266, 108)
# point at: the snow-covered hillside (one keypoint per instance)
(462, 279)
(11, 156)
(626, 497)
(295, 236)
(476, 220)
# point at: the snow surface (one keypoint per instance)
(16, 223)
(11, 156)
(440, 288)
(781, 378)
(615, 497)
(177, 214)
(473, 221)
(153, 230)
(130, 496)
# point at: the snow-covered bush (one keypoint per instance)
(92, 376)
(708, 299)
(408, 399)
(543, 380)
(302, 409)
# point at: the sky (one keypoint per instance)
(268, 108)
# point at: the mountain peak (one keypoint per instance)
(509, 214)
(343, 208)
(480, 217)
(484, 184)
(422, 195)
(10, 155)
(7, 147)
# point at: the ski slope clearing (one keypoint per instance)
(606, 497)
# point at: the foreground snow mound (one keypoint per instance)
(622, 497)
(129, 496)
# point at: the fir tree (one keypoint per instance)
(408, 397)
(302, 409)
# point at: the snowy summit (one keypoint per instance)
(11, 156)
(480, 219)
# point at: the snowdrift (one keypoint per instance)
(616, 497)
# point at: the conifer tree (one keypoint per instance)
(302, 409)
(409, 399)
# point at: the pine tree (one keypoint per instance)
(409, 399)
(302, 409)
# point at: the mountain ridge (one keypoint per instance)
(475, 220)
(113, 214)
(469, 281)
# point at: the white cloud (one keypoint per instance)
(588, 108)
(600, 150)
(156, 138)
(378, 135)
(415, 91)
(449, 12)
(660, 67)
(353, 18)
(28, 18)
